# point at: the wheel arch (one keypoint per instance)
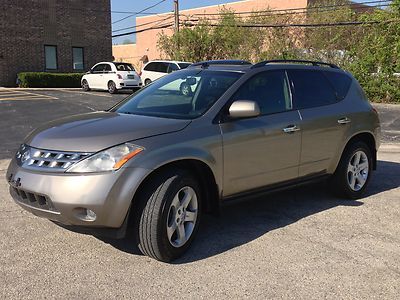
(202, 172)
(369, 139)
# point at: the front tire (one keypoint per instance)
(169, 216)
(353, 173)
(112, 88)
(147, 82)
(85, 85)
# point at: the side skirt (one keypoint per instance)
(290, 184)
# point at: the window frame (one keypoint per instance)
(83, 58)
(45, 64)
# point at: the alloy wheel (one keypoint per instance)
(357, 170)
(182, 216)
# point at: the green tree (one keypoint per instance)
(370, 51)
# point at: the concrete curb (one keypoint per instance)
(389, 147)
(4, 164)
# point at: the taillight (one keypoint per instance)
(119, 76)
(140, 73)
(374, 109)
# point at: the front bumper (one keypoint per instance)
(63, 197)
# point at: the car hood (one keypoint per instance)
(92, 132)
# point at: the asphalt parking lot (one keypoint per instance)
(302, 243)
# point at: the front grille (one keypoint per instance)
(49, 160)
(33, 199)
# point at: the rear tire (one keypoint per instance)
(112, 88)
(85, 85)
(169, 215)
(353, 173)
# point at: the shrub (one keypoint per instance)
(43, 79)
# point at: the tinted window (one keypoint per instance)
(172, 67)
(77, 58)
(107, 68)
(183, 65)
(124, 67)
(341, 82)
(161, 67)
(269, 89)
(98, 68)
(311, 89)
(50, 53)
(151, 67)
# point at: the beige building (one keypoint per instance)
(126, 53)
(147, 41)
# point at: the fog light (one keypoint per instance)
(85, 214)
(90, 215)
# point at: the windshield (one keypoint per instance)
(180, 95)
(124, 67)
(184, 65)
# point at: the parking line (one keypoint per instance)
(8, 95)
(27, 95)
(45, 96)
(84, 93)
(25, 98)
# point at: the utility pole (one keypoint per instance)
(176, 12)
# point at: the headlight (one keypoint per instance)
(23, 154)
(107, 160)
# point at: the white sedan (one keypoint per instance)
(111, 77)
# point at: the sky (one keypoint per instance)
(166, 6)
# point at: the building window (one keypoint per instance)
(51, 57)
(77, 58)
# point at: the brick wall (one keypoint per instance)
(27, 25)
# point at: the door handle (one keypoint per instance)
(291, 129)
(344, 120)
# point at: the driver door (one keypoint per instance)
(95, 76)
(264, 150)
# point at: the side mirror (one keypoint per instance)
(191, 81)
(244, 109)
(89, 72)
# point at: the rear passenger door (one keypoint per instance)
(322, 112)
(261, 151)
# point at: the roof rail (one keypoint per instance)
(314, 63)
(232, 62)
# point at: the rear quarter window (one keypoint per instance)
(341, 83)
(311, 89)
